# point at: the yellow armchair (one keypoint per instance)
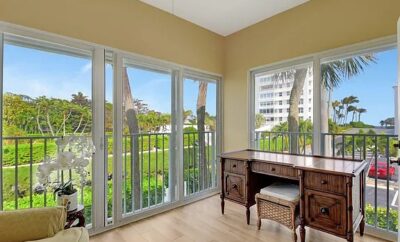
(40, 225)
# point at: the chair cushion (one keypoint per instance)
(69, 235)
(31, 224)
(285, 191)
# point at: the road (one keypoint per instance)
(381, 196)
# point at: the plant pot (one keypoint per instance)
(70, 201)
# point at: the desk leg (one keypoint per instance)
(222, 204)
(248, 215)
(222, 186)
(302, 207)
(362, 224)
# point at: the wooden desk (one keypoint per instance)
(331, 189)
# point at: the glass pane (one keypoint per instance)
(284, 110)
(109, 132)
(46, 95)
(200, 123)
(361, 100)
(146, 138)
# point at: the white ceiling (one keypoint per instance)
(224, 16)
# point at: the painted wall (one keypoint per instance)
(124, 24)
(312, 27)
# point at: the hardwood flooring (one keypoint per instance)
(202, 221)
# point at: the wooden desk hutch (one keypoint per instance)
(331, 189)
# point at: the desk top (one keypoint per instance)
(346, 167)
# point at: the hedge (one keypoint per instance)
(382, 221)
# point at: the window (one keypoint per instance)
(280, 107)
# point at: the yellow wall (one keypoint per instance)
(312, 27)
(133, 26)
(124, 24)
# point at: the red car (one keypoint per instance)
(382, 172)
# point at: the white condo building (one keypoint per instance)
(272, 99)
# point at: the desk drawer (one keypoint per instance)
(325, 182)
(235, 166)
(326, 211)
(275, 170)
(235, 187)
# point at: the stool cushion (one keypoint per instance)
(285, 191)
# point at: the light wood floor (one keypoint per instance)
(202, 221)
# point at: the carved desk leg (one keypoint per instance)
(362, 224)
(222, 186)
(302, 207)
(349, 206)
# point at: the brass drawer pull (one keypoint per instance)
(324, 182)
(273, 169)
(235, 186)
(234, 166)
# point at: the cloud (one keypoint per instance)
(86, 68)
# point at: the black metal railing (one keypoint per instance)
(382, 186)
(284, 142)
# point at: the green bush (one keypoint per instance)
(382, 220)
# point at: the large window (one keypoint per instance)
(154, 147)
(47, 94)
(342, 104)
(283, 122)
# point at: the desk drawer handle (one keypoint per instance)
(273, 169)
(234, 166)
(324, 211)
(235, 186)
(324, 182)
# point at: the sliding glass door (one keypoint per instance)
(199, 134)
(147, 135)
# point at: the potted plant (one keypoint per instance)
(74, 154)
(67, 196)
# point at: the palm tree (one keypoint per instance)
(201, 116)
(332, 74)
(347, 101)
(351, 109)
(131, 113)
(360, 111)
(335, 104)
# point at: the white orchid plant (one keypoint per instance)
(74, 153)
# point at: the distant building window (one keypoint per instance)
(280, 102)
(288, 93)
(309, 109)
(280, 110)
(301, 110)
(309, 100)
(280, 119)
(301, 101)
(280, 94)
(263, 104)
(309, 91)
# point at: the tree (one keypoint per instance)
(260, 120)
(131, 113)
(360, 111)
(347, 101)
(332, 74)
(335, 105)
(201, 114)
(80, 99)
(351, 109)
(382, 123)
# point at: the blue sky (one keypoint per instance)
(373, 87)
(36, 73)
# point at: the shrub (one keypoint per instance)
(382, 220)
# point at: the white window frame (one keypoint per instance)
(319, 94)
(98, 62)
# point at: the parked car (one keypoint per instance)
(382, 171)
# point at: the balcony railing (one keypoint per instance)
(146, 167)
(382, 187)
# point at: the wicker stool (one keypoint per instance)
(279, 202)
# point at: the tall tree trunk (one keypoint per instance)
(201, 115)
(38, 122)
(133, 126)
(293, 119)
